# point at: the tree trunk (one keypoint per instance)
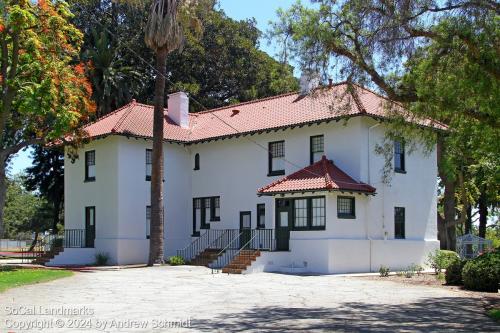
(3, 194)
(448, 200)
(157, 211)
(442, 236)
(483, 214)
(55, 216)
(468, 221)
(33, 244)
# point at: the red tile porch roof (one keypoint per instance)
(288, 110)
(320, 176)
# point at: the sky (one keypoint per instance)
(262, 10)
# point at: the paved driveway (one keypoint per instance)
(155, 297)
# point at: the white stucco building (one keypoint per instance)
(294, 176)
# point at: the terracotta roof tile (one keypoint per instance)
(290, 109)
(320, 176)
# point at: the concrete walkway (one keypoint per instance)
(157, 297)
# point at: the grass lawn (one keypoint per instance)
(11, 277)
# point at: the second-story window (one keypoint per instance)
(90, 166)
(317, 148)
(149, 163)
(399, 157)
(276, 158)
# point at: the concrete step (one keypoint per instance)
(232, 271)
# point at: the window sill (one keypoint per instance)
(196, 234)
(347, 217)
(205, 227)
(399, 171)
(148, 178)
(215, 219)
(308, 229)
(276, 173)
(89, 180)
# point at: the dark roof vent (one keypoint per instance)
(235, 112)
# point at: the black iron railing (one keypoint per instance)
(200, 244)
(245, 243)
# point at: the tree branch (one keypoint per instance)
(5, 153)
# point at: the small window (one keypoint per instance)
(261, 216)
(148, 222)
(399, 222)
(399, 157)
(276, 158)
(149, 163)
(197, 162)
(317, 148)
(345, 208)
(318, 212)
(90, 166)
(215, 209)
(300, 213)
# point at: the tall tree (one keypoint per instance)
(439, 59)
(44, 91)
(46, 177)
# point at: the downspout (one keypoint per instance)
(369, 183)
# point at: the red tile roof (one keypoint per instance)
(320, 176)
(282, 111)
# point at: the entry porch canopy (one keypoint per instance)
(322, 176)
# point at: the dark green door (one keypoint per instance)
(283, 224)
(245, 228)
(89, 227)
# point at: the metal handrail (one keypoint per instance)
(223, 261)
(200, 244)
(221, 253)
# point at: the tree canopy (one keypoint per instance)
(438, 59)
(45, 93)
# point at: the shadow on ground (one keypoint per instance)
(453, 314)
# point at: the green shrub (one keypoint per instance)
(101, 259)
(176, 260)
(384, 271)
(483, 272)
(454, 272)
(494, 314)
(441, 259)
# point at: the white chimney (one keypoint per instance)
(178, 108)
(309, 80)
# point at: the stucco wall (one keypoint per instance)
(234, 169)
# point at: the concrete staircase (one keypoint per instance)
(48, 256)
(206, 257)
(241, 262)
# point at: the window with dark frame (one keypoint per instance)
(276, 158)
(317, 148)
(309, 213)
(207, 210)
(215, 209)
(261, 216)
(399, 223)
(346, 207)
(149, 163)
(399, 157)
(148, 222)
(196, 162)
(90, 166)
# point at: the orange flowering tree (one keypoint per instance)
(44, 93)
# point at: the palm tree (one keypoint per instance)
(163, 35)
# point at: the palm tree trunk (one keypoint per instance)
(157, 212)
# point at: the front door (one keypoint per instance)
(245, 228)
(283, 223)
(89, 226)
